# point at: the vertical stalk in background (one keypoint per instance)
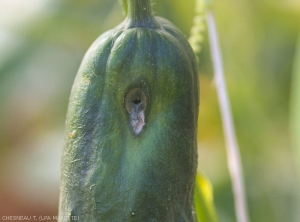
(196, 38)
(295, 106)
(234, 159)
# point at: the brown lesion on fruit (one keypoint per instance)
(136, 103)
(86, 80)
(83, 85)
(72, 134)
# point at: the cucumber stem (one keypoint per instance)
(140, 14)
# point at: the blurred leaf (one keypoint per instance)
(204, 200)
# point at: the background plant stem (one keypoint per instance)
(234, 160)
(295, 105)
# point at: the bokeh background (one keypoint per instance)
(42, 43)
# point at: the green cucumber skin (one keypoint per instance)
(108, 172)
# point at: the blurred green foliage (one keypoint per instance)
(40, 58)
(204, 203)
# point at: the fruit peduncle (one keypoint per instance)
(140, 14)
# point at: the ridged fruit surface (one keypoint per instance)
(130, 149)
